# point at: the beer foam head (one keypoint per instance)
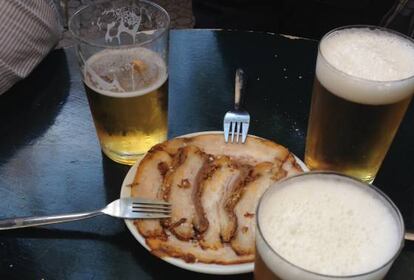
(366, 65)
(125, 72)
(328, 224)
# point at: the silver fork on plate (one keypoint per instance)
(124, 208)
(237, 121)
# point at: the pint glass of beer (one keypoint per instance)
(123, 52)
(321, 225)
(363, 85)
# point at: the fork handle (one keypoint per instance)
(22, 222)
(239, 89)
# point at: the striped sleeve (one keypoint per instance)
(28, 31)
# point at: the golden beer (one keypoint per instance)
(349, 137)
(122, 48)
(363, 86)
(320, 225)
(127, 94)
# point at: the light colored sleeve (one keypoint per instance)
(29, 29)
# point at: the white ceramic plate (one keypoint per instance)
(197, 267)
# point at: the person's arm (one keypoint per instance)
(28, 31)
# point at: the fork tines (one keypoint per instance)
(237, 121)
(235, 125)
(143, 201)
(151, 209)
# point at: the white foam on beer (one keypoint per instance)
(330, 227)
(109, 62)
(381, 62)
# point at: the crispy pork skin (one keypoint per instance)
(260, 178)
(179, 186)
(147, 184)
(221, 179)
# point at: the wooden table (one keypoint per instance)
(50, 160)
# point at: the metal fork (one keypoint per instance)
(237, 121)
(125, 208)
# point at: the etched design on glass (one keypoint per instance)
(127, 20)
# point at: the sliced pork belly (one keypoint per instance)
(179, 185)
(221, 179)
(172, 146)
(214, 188)
(226, 207)
(191, 252)
(291, 166)
(147, 184)
(260, 178)
(254, 151)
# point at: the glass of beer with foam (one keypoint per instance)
(324, 225)
(363, 85)
(123, 52)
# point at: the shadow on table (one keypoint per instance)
(30, 107)
(49, 233)
(124, 241)
(160, 270)
(114, 174)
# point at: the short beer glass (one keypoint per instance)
(322, 225)
(123, 52)
(363, 85)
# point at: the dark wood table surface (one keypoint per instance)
(50, 160)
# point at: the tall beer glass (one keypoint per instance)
(123, 52)
(321, 225)
(363, 85)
